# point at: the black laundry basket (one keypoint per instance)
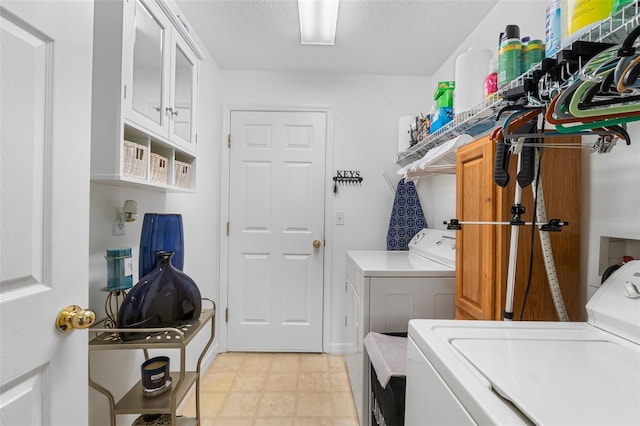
(387, 404)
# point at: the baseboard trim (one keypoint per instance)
(340, 348)
(208, 358)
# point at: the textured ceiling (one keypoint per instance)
(393, 37)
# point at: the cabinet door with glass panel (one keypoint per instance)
(183, 89)
(146, 67)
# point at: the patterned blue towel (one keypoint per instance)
(407, 217)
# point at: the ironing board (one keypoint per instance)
(407, 217)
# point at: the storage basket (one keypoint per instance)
(181, 174)
(158, 168)
(135, 160)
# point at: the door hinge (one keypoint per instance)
(229, 140)
(345, 320)
(125, 91)
(196, 139)
(226, 315)
(228, 229)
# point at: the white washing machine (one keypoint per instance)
(385, 289)
(547, 373)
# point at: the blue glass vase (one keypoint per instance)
(166, 297)
(160, 232)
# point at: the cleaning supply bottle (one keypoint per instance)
(491, 81)
(553, 28)
(443, 97)
(532, 53)
(469, 70)
(509, 55)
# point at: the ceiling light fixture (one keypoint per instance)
(318, 20)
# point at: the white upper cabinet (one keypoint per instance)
(145, 96)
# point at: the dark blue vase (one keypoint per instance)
(166, 297)
(160, 232)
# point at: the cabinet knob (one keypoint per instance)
(171, 111)
(73, 317)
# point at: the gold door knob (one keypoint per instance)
(73, 317)
(316, 243)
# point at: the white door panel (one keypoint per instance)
(276, 211)
(45, 98)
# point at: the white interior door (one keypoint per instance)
(45, 100)
(276, 211)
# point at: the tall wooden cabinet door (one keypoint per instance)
(560, 175)
(475, 251)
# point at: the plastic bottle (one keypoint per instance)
(491, 81)
(470, 71)
(509, 55)
(533, 51)
(443, 97)
(553, 28)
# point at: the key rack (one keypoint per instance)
(346, 177)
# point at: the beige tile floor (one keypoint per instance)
(256, 389)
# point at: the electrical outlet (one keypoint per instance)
(118, 221)
(339, 218)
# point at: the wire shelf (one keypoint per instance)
(482, 118)
(473, 122)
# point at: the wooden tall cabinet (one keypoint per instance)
(482, 252)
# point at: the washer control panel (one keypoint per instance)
(435, 244)
(615, 307)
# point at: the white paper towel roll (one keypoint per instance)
(471, 69)
(404, 138)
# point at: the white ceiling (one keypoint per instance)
(393, 37)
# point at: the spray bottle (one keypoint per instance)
(553, 28)
(509, 55)
(491, 81)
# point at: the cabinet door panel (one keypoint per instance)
(475, 248)
(148, 75)
(182, 127)
(147, 65)
(561, 183)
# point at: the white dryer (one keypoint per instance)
(385, 289)
(547, 373)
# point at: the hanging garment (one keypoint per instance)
(407, 217)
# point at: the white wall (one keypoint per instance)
(366, 111)
(611, 208)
